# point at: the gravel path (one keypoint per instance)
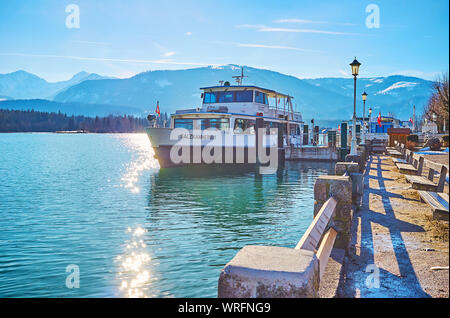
(395, 239)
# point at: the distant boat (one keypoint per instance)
(71, 132)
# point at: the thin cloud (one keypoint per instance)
(266, 46)
(302, 21)
(251, 26)
(91, 42)
(188, 33)
(297, 21)
(263, 28)
(167, 54)
(281, 47)
(103, 59)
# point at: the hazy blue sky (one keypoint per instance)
(302, 38)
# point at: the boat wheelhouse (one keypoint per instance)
(232, 112)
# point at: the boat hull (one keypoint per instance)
(204, 152)
(162, 154)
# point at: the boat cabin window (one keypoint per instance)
(218, 123)
(244, 96)
(225, 97)
(261, 98)
(209, 98)
(183, 123)
(228, 97)
(242, 125)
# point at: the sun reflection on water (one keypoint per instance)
(134, 272)
(140, 145)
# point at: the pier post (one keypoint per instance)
(305, 135)
(339, 187)
(258, 127)
(280, 146)
(343, 141)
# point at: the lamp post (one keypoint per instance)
(435, 121)
(363, 132)
(355, 69)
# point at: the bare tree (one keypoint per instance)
(439, 102)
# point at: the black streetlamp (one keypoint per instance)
(363, 132)
(355, 70)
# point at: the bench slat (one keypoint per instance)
(311, 238)
(444, 196)
(324, 251)
(406, 167)
(438, 203)
(399, 160)
(419, 180)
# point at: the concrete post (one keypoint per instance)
(356, 158)
(270, 272)
(342, 167)
(362, 149)
(339, 187)
(352, 168)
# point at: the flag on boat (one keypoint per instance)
(339, 127)
(157, 109)
(379, 119)
(411, 121)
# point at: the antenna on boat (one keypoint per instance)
(239, 79)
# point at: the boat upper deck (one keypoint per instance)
(222, 88)
(246, 100)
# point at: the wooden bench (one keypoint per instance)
(315, 234)
(419, 182)
(397, 153)
(401, 148)
(413, 164)
(438, 203)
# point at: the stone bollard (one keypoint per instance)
(363, 150)
(352, 168)
(339, 187)
(342, 167)
(270, 272)
(356, 158)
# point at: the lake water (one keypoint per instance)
(101, 203)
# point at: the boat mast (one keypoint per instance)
(239, 78)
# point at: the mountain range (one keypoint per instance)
(21, 84)
(321, 98)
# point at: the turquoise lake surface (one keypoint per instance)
(100, 202)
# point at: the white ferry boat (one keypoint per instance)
(227, 121)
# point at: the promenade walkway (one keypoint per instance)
(394, 231)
